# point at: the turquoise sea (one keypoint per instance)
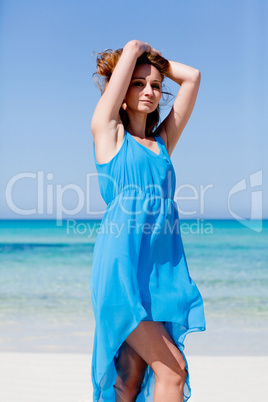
(45, 303)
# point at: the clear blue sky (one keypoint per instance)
(48, 97)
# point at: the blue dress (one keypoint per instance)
(139, 269)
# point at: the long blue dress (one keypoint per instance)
(139, 269)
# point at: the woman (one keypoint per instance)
(143, 298)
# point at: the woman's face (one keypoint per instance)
(144, 92)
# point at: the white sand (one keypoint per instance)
(49, 377)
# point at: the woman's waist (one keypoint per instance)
(137, 193)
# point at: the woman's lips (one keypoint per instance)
(146, 101)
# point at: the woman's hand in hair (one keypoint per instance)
(142, 47)
(106, 118)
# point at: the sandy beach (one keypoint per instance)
(55, 377)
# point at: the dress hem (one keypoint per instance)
(179, 343)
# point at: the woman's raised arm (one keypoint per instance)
(189, 80)
(106, 115)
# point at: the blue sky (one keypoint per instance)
(48, 98)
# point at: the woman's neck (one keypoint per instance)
(137, 125)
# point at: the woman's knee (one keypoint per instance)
(175, 376)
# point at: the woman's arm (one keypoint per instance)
(106, 115)
(189, 80)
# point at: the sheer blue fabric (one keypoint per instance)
(139, 269)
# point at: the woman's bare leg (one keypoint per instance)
(152, 342)
(130, 369)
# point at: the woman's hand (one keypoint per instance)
(142, 47)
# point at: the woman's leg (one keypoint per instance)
(153, 343)
(130, 369)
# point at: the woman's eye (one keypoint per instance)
(139, 83)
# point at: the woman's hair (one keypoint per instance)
(106, 62)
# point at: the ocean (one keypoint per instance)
(45, 303)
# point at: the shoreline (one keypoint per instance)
(219, 339)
